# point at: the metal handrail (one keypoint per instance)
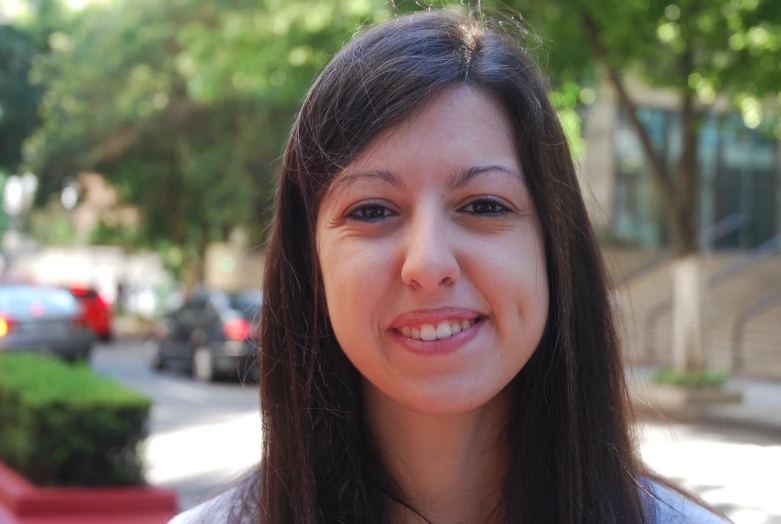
(759, 253)
(749, 312)
(722, 228)
(762, 251)
(651, 318)
(708, 236)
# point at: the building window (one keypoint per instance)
(738, 173)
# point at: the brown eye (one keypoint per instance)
(486, 207)
(370, 213)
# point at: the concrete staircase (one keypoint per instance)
(761, 342)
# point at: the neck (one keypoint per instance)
(450, 468)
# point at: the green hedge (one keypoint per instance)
(64, 425)
(706, 378)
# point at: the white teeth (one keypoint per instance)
(442, 330)
(428, 332)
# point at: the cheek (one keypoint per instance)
(355, 278)
(532, 279)
(510, 262)
(511, 275)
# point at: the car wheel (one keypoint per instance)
(82, 358)
(158, 362)
(203, 365)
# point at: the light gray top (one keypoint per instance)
(671, 508)
(674, 508)
(217, 510)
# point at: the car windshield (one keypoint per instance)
(30, 301)
(246, 302)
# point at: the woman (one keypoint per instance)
(437, 339)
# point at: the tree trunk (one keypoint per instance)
(689, 285)
(679, 197)
(687, 277)
(194, 266)
(201, 247)
(189, 275)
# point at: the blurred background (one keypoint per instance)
(139, 144)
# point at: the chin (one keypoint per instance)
(448, 401)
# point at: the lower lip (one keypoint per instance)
(439, 346)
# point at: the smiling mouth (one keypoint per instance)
(442, 330)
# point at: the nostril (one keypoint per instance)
(431, 272)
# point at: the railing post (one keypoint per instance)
(754, 309)
(650, 335)
(707, 237)
(737, 343)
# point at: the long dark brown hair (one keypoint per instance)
(572, 456)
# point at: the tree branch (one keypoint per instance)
(658, 170)
(687, 165)
(114, 146)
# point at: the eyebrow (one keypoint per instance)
(385, 176)
(462, 177)
(456, 180)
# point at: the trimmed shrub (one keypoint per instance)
(64, 425)
(706, 378)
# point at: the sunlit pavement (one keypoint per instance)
(203, 437)
(737, 471)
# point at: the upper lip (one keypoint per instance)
(433, 316)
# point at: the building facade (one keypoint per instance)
(739, 170)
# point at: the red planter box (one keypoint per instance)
(24, 503)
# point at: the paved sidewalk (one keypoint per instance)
(760, 408)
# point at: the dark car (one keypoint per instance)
(211, 335)
(43, 319)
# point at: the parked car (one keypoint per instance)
(97, 312)
(43, 319)
(211, 335)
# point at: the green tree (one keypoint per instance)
(701, 50)
(184, 105)
(18, 99)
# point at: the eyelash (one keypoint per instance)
(353, 215)
(502, 211)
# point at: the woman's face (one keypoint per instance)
(432, 258)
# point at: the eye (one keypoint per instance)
(370, 213)
(486, 207)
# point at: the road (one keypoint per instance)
(205, 436)
(202, 436)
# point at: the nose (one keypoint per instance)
(429, 256)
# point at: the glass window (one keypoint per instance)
(24, 301)
(738, 173)
(247, 303)
(636, 211)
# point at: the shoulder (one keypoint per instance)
(672, 507)
(213, 511)
(669, 507)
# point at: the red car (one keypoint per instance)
(97, 313)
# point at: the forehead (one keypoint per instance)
(460, 109)
(461, 127)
